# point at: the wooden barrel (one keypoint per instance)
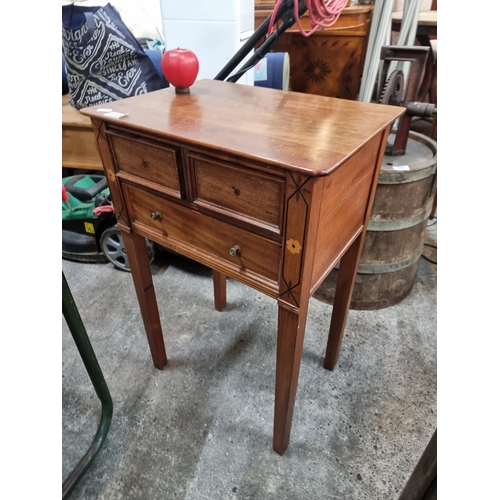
(396, 232)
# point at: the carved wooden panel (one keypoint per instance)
(330, 61)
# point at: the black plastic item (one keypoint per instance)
(81, 247)
(82, 341)
(102, 199)
(86, 194)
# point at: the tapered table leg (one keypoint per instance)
(291, 328)
(343, 293)
(219, 289)
(143, 281)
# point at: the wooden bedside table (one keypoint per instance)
(268, 187)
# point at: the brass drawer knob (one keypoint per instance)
(156, 215)
(235, 250)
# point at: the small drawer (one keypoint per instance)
(210, 241)
(154, 163)
(249, 195)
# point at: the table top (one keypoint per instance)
(71, 116)
(299, 132)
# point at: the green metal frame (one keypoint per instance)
(84, 346)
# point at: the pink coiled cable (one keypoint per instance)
(322, 13)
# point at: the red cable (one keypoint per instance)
(273, 17)
(322, 13)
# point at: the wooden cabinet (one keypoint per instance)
(330, 61)
(268, 187)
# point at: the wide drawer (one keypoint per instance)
(201, 237)
(252, 196)
(153, 162)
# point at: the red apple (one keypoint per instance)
(180, 67)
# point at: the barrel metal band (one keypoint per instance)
(394, 225)
(390, 267)
(405, 177)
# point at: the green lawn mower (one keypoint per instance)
(89, 230)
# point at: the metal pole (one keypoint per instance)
(82, 341)
(267, 45)
(377, 38)
(285, 11)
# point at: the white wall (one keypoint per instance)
(213, 30)
(142, 17)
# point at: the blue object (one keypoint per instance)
(104, 60)
(273, 71)
(65, 88)
(154, 55)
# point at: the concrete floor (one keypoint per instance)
(202, 427)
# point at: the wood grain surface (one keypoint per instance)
(307, 133)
